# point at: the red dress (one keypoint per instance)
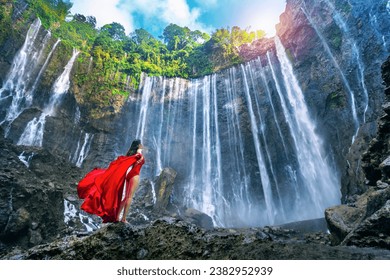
(102, 189)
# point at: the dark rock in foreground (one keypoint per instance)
(173, 239)
(33, 184)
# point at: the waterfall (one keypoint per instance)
(17, 83)
(256, 83)
(265, 180)
(210, 129)
(388, 7)
(25, 158)
(19, 69)
(379, 35)
(144, 107)
(189, 199)
(274, 115)
(320, 182)
(355, 55)
(217, 150)
(342, 75)
(30, 94)
(71, 213)
(33, 133)
(82, 150)
(240, 177)
(160, 130)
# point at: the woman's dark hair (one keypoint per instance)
(133, 148)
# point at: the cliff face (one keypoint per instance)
(335, 49)
(365, 222)
(332, 45)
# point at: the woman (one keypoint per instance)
(108, 192)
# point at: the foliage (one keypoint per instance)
(119, 59)
(336, 36)
(51, 12)
(5, 21)
(335, 100)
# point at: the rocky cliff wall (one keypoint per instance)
(337, 48)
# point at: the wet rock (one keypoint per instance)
(315, 225)
(344, 219)
(385, 167)
(164, 187)
(198, 218)
(35, 237)
(179, 240)
(32, 199)
(142, 254)
(373, 231)
(17, 224)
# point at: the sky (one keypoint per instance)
(204, 15)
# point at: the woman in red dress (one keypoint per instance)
(109, 192)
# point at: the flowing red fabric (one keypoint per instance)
(102, 188)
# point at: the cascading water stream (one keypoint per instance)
(355, 55)
(188, 200)
(20, 76)
(388, 7)
(276, 195)
(82, 150)
(268, 91)
(33, 133)
(18, 69)
(320, 182)
(265, 180)
(144, 108)
(159, 136)
(240, 177)
(217, 150)
(379, 35)
(29, 95)
(342, 75)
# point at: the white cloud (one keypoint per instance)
(105, 12)
(178, 11)
(159, 13)
(166, 12)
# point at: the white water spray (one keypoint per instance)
(17, 83)
(33, 133)
(265, 181)
(321, 183)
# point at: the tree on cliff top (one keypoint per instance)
(181, 52)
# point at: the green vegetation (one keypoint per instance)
(336, 36)
(335, 100)
(5, 20)
(119, 59)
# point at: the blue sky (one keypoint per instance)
(204, 15)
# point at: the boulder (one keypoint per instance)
(343, 220)
(164, 187)
(373, 231)
(385, 167)
(198, 218)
